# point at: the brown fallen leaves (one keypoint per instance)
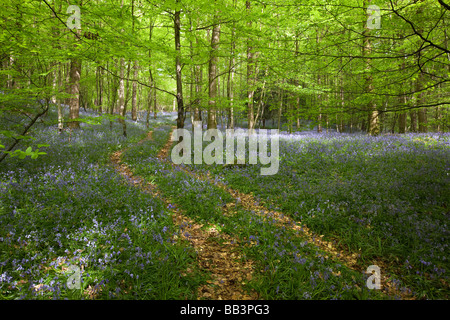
(219, 255)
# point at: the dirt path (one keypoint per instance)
(218, 254)
(250, 203)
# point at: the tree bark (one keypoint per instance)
(280, 110)
(134, 92)
(179, 97)
(213, 81)
(413, 119)
(74, 91)
(250, 78)
(373, 121)
(121, 93)
(402, 123)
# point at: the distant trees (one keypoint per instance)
(308, 63)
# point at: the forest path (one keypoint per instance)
(250, 203)
(217, 253)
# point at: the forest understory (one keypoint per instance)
(140, 227)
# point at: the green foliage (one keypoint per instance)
(28, 152)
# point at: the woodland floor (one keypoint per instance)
(218, 253)
(140, 226)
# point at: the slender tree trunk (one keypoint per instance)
(422, 112)
(394, 122)
(100, 90)
(230, 78)
(198, 75)
(438, 119)
(149, 108)
(319, 117)
(152, 90)
(373, 123)
(402, 122)
(402, 118)
(134, 92)
(121, 94)
(280, 110)
(261, 100)
(192, 79)
(155, 106)
(179, 97)
(413, 119)
(74, 90)
(250, 78)
(57, 83)
(139, 101)
(213, 82)
(198, 90)
(135, 73)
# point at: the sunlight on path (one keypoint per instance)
(251, 204)
(217, 253)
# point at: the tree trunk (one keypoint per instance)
(121, 93)
(149, 108)
(74, 90)
(394, 122)
(319, 98)
(155, 106)
(198, 75)
(280, 110)
(134, 92)
(402, 123)
(57, 83)
(413, 119)
(421, 113)
(179, 97)
(152, 90)
(198, 90)
(438, 119)
(100, 89)
(373, 123)
(215, 37)
(250, 78)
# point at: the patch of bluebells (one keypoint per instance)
(386, 195)
(70, 209)
(287, 266)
